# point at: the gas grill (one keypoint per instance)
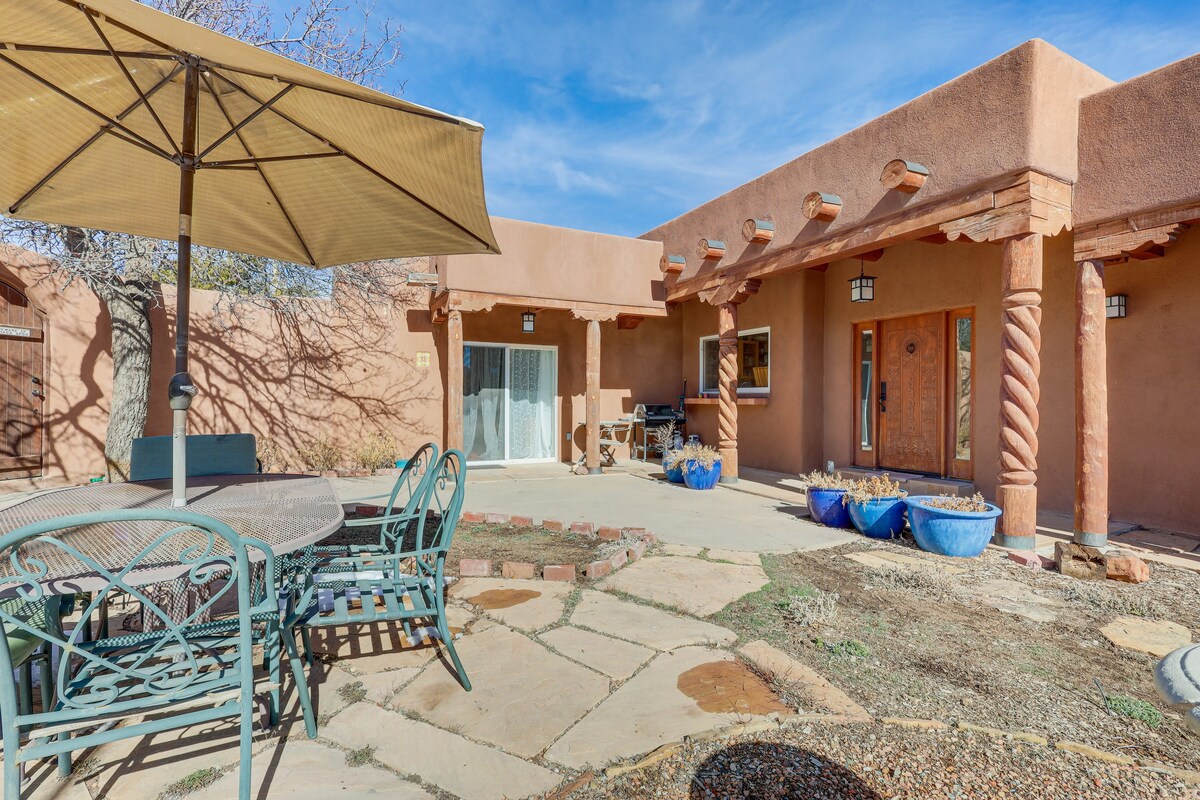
(649, 416)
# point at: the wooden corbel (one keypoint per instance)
(592, 315)
(735, 292)
(627, 322)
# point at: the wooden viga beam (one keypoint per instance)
(904, 176)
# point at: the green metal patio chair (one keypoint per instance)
(184, 674)
(357, 596)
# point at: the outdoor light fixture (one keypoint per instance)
(1114, 305)
(862, 287)
(527, 322)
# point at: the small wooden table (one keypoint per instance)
(286, 512)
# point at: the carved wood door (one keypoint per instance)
(21, 385)
(911, 366)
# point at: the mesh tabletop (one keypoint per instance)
(286, 512)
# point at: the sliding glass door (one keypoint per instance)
(509, 395)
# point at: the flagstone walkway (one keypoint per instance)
(566, 676)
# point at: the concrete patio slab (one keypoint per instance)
(527, 605)
(613, 657)
(652, 708)
(721, 518)
(524, 696)
(690, 584)
(445, 759)
(304, 770)
(644, 624)
(672, 549)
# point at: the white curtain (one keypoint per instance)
(531, 406)
(483, 403)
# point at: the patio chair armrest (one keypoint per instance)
(378, 520)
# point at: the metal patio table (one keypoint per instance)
(286, 512)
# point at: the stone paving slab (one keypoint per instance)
(884, 559)
(524, 695)
(670, 549)
(613, 657)
(743, 557)
(1156, 637)
(780, 665)
(1014, 597)
(306, 770)
(371, 648)
(690, 584)
(523, 604)
(447, 760)
(644, 624)
(647, 711)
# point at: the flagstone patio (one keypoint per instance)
(564, 676)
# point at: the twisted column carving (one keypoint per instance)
(727, 412)
(1020, 366)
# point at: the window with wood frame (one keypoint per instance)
(961, 393)
(754, 362)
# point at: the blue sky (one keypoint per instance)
(617, 116)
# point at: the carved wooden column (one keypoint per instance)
(1091, 406)
(1021, 341)
(591, 400)
(454, 380)
(727, 298)
(727, 381)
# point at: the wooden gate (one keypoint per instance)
(911, 366)
(22, 334)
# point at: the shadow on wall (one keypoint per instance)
(337, 371)
(765, 769)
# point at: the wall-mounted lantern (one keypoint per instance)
(527, 321)
(1115, 305)
(862, 286)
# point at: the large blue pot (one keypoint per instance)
(674, 472)
(879, 517)
(697, 476)
(964, 534)
(826, 507)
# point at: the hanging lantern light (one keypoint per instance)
(862, 286)
(1115, 306)
(527, 322)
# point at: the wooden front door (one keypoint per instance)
(21, 384)
(911, 366)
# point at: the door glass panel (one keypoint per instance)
(531, 410)
(483, 403)
(962, 388)
(865, 345)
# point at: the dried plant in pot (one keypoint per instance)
(952, 526)
(672, 456)
(876, 506)
(701, 466)
(825, 492)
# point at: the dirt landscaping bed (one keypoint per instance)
(921, 643)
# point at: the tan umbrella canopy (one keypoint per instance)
(110, 110)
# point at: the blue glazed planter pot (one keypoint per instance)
(963, 534)
(698, 477)
(674, 473)
(827, 508)
(879, 517)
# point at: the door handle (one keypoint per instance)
(883, 397)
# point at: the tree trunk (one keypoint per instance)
(128, 304)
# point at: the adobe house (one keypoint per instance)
(986, 287)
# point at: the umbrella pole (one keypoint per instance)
(181, 389)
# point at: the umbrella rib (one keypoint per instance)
(250, 118)
(124, 27)
(241, 140)
(15, 207)
(249, 163)
(360, 163)
(112, 123)
(125, 71)
(86, 51)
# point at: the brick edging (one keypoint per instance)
(594, 570)
(665, 751)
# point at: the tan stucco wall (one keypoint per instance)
(560, 264)
(1015, 112)
(785, 434)
(1137, 144)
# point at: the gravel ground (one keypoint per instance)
(882, 762)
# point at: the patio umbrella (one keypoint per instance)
(110, 111)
